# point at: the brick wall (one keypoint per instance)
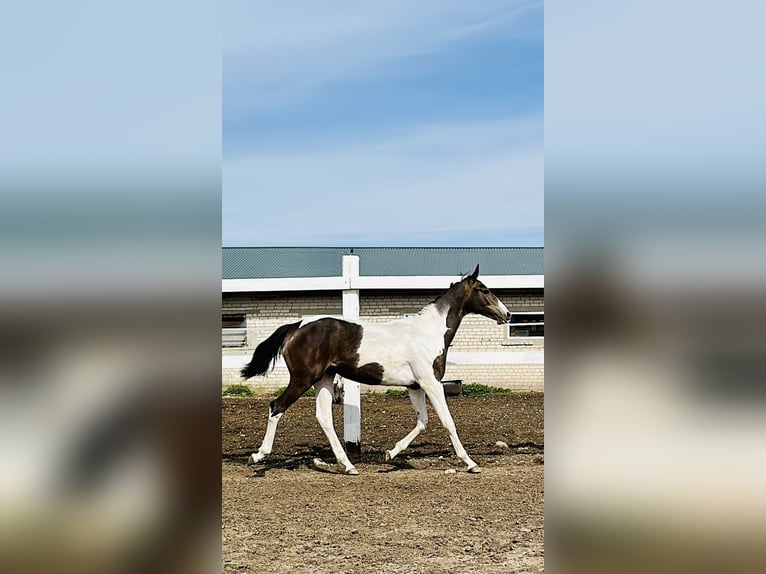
(264, 313)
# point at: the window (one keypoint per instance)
(233, 331)
(526, 325)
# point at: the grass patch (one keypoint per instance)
(310, 393)
(475, 389)
(470, 390)
(238, 391)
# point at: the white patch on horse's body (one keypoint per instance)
(391, 345)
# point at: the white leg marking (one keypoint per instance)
(324, 416)
(418, 399)
(268, 440)
(435, 392)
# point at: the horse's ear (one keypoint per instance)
(475, 272)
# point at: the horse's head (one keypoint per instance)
(480, 300)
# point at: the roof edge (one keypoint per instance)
(369, 282)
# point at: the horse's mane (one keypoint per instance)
(442, 294)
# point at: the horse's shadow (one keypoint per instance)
(395, 466)
(305, 458)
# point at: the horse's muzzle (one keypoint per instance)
(503, 318)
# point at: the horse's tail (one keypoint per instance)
(267, 351)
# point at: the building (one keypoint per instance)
(265, 287)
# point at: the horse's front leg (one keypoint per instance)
(418, 398)
(435, 392)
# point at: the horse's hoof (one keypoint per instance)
(250, 460)
(388, 455)
(475, 469)
(352, 471)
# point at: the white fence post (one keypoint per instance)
(352, 411)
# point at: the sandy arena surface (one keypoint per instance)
(408, 515)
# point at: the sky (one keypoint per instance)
(369, 123)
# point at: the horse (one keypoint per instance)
(409, 352)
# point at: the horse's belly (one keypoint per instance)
(397, 375)
(393, 359)
(396, 350)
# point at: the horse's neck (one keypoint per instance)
(450, 313)
(454, 317)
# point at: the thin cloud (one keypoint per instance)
(409, 172)
(433, 180)
(277, 54)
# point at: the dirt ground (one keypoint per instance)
(407, 515)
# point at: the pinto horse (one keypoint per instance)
(409, 352)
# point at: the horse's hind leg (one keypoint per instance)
(268, 440)
(418, 398)
(277, 408)
(324, 416)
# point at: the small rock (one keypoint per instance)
(450, 471)
(501, 444)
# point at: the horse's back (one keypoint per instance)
(400, 347)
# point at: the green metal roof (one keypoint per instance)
(279, 262)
